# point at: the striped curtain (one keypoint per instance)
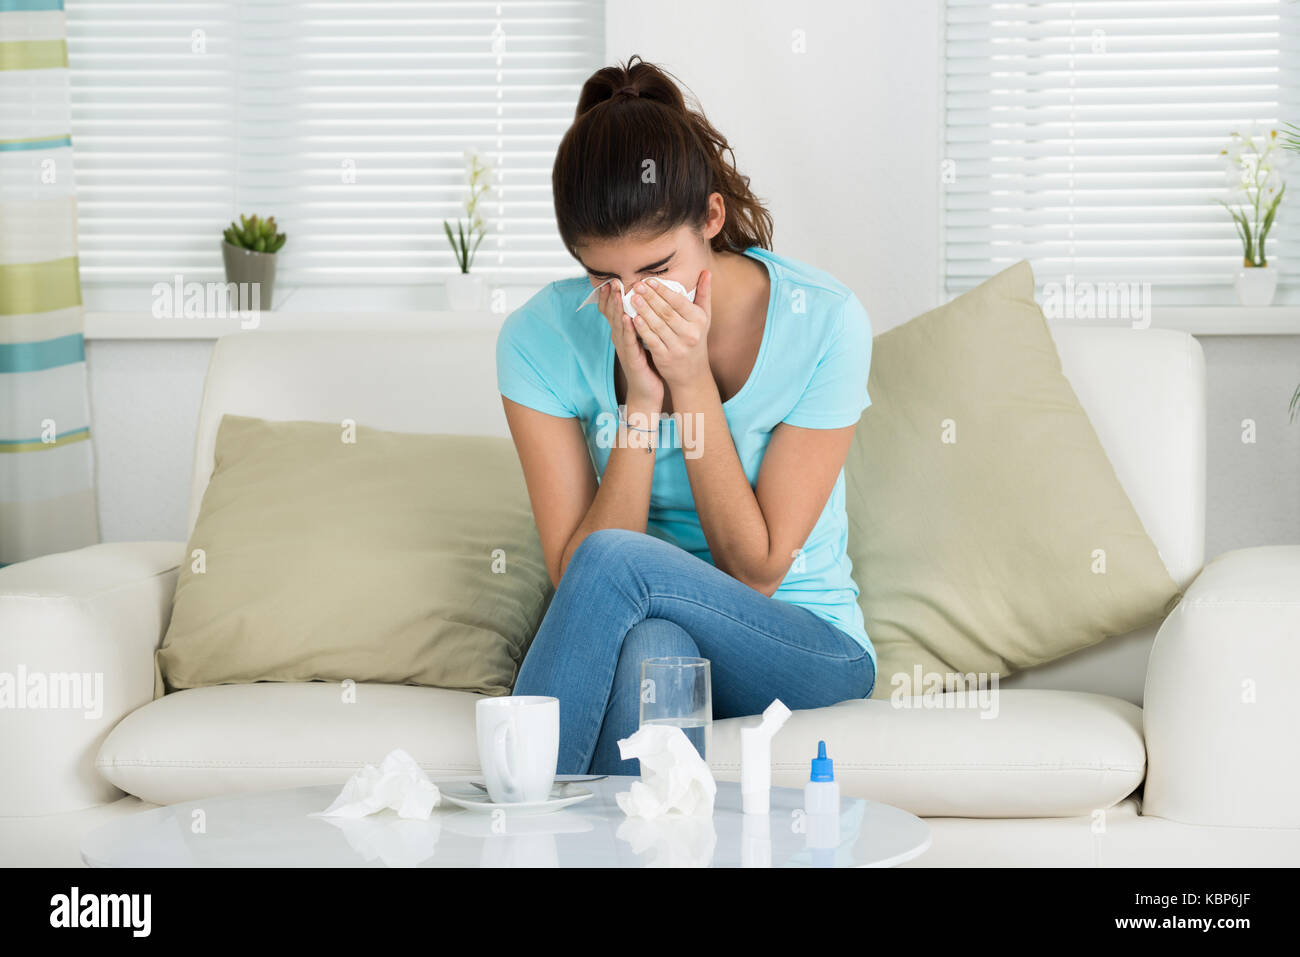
(47, 493)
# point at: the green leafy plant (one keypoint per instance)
(256, 235)
(1291, 141)
(1255, 189)
(472, 229)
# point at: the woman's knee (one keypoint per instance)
(656, 638)
(610, 552)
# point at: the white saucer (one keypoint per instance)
(471, 798)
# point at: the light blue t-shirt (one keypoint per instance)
(811, 372)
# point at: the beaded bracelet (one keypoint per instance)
(622, 418)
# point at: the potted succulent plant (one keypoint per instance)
(248, 248)
(1255, 190)
(465, 291)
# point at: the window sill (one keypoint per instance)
(144, 325)
(1210, 320)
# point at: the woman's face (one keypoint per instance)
(680, 254)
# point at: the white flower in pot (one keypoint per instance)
(465, 291)
(1255, 190)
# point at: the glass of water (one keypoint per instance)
(677, 692)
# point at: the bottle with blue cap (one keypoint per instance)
(821, 795)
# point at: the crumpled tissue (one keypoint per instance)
(398, 783)
(627, 295)
(675, 780)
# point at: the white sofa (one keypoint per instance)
(1127, 753)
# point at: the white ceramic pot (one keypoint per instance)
(465, 292)
(1256, 285)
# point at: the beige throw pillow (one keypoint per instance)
(398, 558)
(977, 554)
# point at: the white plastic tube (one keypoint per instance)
(756, 759)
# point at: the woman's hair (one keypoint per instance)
(637, 160)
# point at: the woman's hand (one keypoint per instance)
(675, 330)
(645, 389)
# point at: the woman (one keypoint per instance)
(719, 429)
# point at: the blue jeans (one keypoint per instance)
(626, 596)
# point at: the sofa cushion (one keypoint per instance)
(374, 556)
(226, 739)
(1023, 754)
(987, 529)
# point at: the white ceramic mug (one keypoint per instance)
(518, 746)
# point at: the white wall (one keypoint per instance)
(1252, 487)
(841, 141)
(144, 412)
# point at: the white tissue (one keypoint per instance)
(674, 778)
(627, 296)
(398, 783)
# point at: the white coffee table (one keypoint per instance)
(272, 829)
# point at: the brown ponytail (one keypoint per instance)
(637, 160)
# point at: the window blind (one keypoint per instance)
(1085, 137)
(347, 121)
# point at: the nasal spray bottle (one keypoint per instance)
(821, 795)
(756, 786)
(821, 804)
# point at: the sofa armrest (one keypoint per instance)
(1221, 711)
(77, 635)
